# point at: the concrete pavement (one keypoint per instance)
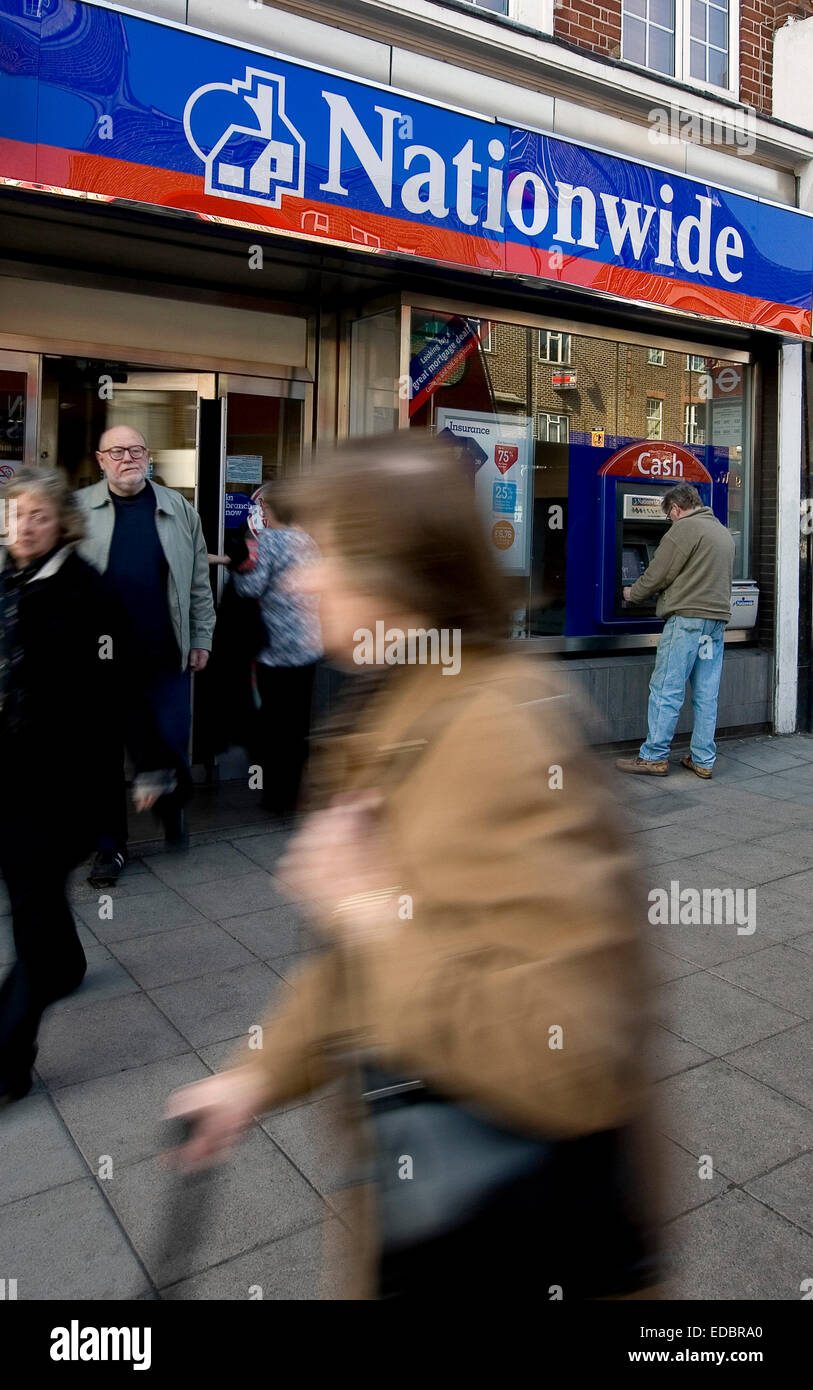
(197, 946)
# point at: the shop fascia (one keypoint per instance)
(429, 188)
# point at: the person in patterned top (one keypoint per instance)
(286, 665)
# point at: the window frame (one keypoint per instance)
(655, 362)
(683, 11)
(549, 415)
(695, 357)
(486, 340)
(690, 407)
(476, 5)
(657, 400)
(561, 335)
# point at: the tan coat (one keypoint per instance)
(525, 918)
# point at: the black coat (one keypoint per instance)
(61, 763)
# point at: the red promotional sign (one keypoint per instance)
(656, 460)
(505, 456)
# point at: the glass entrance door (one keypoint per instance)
(83, 397)
(265, 439)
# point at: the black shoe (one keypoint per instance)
(106, 867)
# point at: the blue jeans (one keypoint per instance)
(690, 649)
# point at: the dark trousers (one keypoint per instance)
(50, 961)
(286, 694)
(156, 734)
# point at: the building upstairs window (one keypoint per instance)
(552, 429)
(554, 346)
(654, 418)
(655, 357)
(690, 40)
(694, 431)
(495, 6)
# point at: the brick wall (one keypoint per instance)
(591, 24)
(756, 53)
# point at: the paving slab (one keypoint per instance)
(735, 1248)
(784, 1062)
(184, 953)
(141, 914)
(788, 1190)
(105, 1038)
(38, 1151)
(776, 974)
(781, 915)
(201, 864)
(122, 1115)
(661, 844)
(313, 1138)
(222, 1005)
(67, 1243)
(669, 1054)
(704, 946)
(287, 1269)
(767, 757)
(266, 850)
(683, 1188)
(254, 1198)
(717, 1016)
(666, 966)
(745, 1127)
(275, 932)
(235, 896)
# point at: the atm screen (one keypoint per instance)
(650, 551)
(634, 561)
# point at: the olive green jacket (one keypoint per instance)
(189, 592)
(691, 570)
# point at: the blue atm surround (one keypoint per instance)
(593, 505)
(614, 531)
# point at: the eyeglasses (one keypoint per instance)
(137, 453)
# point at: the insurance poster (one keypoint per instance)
(498, 455)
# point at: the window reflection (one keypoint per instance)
(568, 403)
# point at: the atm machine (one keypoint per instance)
(632, 524)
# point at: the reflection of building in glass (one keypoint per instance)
(580, 386)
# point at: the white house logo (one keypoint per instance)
(240, 131)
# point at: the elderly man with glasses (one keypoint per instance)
(148, 542)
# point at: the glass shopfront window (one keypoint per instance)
(546, 421)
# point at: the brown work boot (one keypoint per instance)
(636, 764)
(686, 761)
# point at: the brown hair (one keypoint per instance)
(683, 495)
(403, 513)
(53, 485)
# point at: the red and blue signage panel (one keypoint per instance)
(99, 101)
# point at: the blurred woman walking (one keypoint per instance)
(61, 695)
(482, 985)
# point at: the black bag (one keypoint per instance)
(463, 1202)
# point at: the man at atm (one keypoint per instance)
(691, 572)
